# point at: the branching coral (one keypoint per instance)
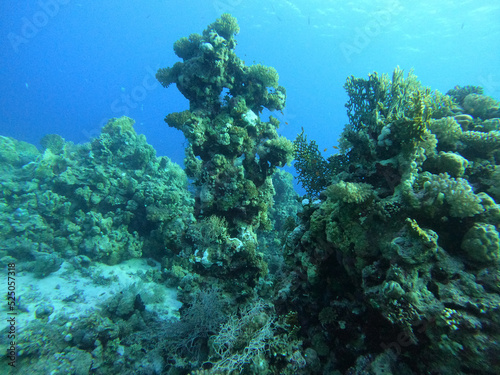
(447, 131)
(456, 192)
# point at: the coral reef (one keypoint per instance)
(481, 106)
(111, 200)
(459, 93)
(390, 264)
(232, 154)
(403, 234)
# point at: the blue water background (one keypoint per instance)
(69, 65)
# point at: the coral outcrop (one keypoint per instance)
(111, 199)
(232, 154)
(407, 229)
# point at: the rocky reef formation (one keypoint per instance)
(402, 255)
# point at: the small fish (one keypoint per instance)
(325, 150)
(26, 84)
(286, 123)
(335, 147)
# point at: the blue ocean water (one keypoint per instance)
(107, 246)
(70, 65)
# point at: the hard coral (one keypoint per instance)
(481, 106)
(226, 26)
(482, 243)
(268, 76)
(232, 153)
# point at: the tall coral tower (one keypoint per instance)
(231, 154)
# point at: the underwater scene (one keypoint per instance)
(250, 187)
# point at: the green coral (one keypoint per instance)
(178, 119)
(455, 192)
(277, 152)
(167, 76)
(388, 114)
(441, 105)
(187, 48)
(111, 200)
(494, 183)
(480, 142)
(464, 121)
(459, 93)
(393, 228)
(15, 154)
(268, 76)
(232, 154)
(350, 192)
(226, 26)
(481, 106)
(210, 66)
(451, 163)
(491, 125)
(365, 97)
(447, 131)
(53, 142)
(482, 243)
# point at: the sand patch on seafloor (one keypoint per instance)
(73, 293)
